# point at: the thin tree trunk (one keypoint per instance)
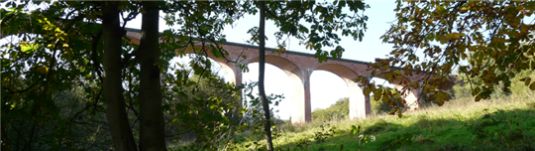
(261, 73)
(152, 136)
(3, 135)
(121, 133)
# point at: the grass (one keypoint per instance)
(506, 123)
(500, 123)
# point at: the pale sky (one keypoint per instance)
(326, 87)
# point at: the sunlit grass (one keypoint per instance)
(453, 126)
(504, 122)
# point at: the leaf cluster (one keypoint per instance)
(488, 41)
(316, 24)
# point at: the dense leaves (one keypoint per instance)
(317, 25)
(49, 80)
(488, 41)
(50, 47)
(201, 109)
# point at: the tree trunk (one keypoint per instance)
(121, 133)
(3, 138)
(152, 136)
(261, 73)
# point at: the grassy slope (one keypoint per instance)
(494, 124)
(501, 123)
(498, 124)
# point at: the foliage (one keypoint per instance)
(320, 135)
(335, 112)
(49, 79)
(252, 120)
(46, 56)
(324, 133)
(379, 107)
(50, 48)
(384, 97)
(201, 24)
(361, 138)
(518, 88)
(202, 110)
(62, 124)
(253, 116)
(316, 24)
(490, 41)
(340, 110)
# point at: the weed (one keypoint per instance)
(326, 131)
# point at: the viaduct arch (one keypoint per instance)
(299, 67)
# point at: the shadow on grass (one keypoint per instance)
(500, 130)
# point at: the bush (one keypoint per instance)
(201, 111)
(379, 107)
(337, 111)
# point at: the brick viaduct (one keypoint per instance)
(299, 67)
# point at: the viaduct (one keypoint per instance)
(299, 67)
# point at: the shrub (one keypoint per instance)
(337, 111)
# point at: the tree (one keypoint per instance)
(324, 19)
(117, 117)
(489, 42)
(54, 57)
(152, 136)
(43, 59)
(261, 73)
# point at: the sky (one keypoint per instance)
(326, 87)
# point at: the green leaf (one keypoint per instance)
(216, 52)
(354, 129)
(26, 47)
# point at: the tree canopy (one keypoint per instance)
(489, 42)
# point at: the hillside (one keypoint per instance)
(455, 126)
(500, 123)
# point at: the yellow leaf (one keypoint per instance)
(454, 36)
(464, 9)
(26, 47)
(12, 106)
(42, 69)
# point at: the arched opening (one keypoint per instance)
(275, 83)
(282, 77)
(359, 105)
(326, 90)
